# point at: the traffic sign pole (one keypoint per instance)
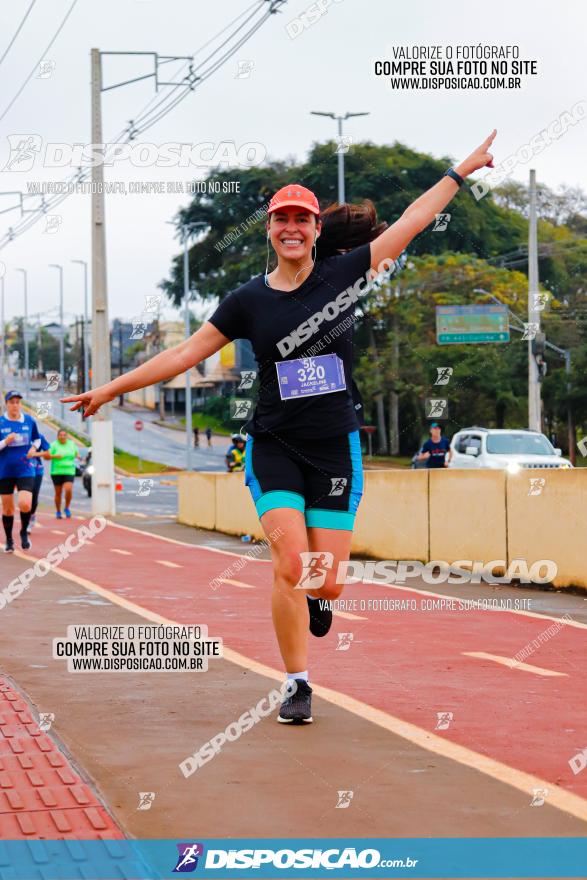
(139, 425)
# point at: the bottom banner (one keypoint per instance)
(553, 857)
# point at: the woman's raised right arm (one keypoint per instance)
(165, 365)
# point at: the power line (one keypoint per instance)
(129, 133)
(142, 113)
(29, 77)
(191, 81)
(18, 30)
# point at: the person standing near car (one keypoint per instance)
(434, 451)
(63, 453)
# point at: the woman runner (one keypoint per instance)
(38, 451)
(63, 453)
(303, 457)
(18, 431)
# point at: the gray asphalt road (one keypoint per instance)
(142, 497)
(154, 442)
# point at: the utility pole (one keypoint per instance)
(120, 361)
(103, 498)
(25, 336)
(188, 375)
(39, 345)
(393, 395)
(570, 422)
(81, 353)
(85, 327)
(2, 337)
(187, 229)
(534, 398)
(61, 338)
(340, 151)
(157, 345)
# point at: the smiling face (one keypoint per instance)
(62, 436)
(292, 232)
(13, 408)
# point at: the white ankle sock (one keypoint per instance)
(292, 675)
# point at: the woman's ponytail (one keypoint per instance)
(347, 226)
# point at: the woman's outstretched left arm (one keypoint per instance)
(420, 213)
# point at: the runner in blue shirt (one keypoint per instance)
(37, 453)
(18, 431)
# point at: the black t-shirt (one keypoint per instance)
(437, 452)
(267, 317)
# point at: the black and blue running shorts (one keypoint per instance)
(322, 478)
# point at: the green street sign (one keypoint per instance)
(456, 325)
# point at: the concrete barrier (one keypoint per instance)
(467, 514)
(447, 515)
(197, 499)
(235, 511)
(392, 521)
(551, 524)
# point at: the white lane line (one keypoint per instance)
(168, 564)
(122, 552)
(237, 583)
(514, 664)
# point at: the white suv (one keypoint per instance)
(504, 449)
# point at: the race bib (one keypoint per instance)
(307, 377)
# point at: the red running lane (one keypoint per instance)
(410, 664)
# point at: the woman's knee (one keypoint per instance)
(288, 568)
(331, 589)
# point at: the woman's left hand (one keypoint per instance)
(479, 158)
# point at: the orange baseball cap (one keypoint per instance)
(295, 196)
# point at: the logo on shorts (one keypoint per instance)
(315, 565)
(187, 861)
(338, 485)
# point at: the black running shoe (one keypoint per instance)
(297, 707)
(9, 547)
(25, 541)
(320, 616)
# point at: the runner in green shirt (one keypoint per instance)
(63, 453)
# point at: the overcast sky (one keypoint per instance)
(328, 66)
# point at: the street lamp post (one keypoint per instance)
(61, 338)
(339, 121)
(188, 229)
(25, 335)
(85, 330)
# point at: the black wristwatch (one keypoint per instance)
(455, 176)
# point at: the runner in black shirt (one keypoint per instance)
(303, 462)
